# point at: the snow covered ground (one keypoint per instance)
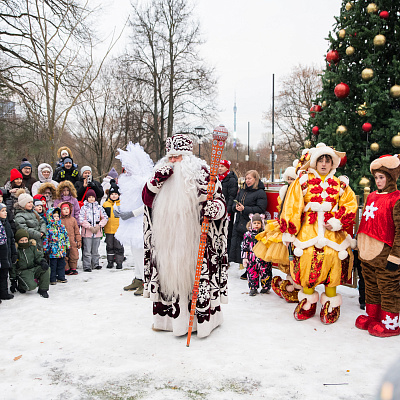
(92, 340)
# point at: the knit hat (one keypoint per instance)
(37, 202)
(1, 192)
(226, 163)
(113, 187)
(67, 159)
(62, 205)
(2, 205)
(64, 153)
(89, 193)
(113, 173)
(56, 211)
(25, 163)
(24, 199)
(20, 234)
(85, 168)
(179, 144)
(14, 174)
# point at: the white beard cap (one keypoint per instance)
(176, 231)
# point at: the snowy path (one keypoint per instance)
(92, 340)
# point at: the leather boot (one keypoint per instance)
(373, 311)
(387, 325)
(330, 311)
(307, 306)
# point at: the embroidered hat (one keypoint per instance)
(226, 163)
(179, 145)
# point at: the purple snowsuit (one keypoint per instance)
(257, 269)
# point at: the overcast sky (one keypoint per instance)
(249, 40)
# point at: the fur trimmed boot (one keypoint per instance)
(289, 290)
(275, 284)
(363, 321)
(307, 306)
(387, 325)
(330, 311)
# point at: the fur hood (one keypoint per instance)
(64, 148)
(65, 184)
(46, 185)
(40, 175)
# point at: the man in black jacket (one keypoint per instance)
(86, 182)
(229, 183)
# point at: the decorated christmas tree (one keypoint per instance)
(358, 109)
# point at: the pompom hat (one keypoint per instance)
(226, 163)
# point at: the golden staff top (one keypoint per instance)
(220, 134)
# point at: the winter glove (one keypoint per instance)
(245, 262)
(44, 265)
(14, 258)
(13, 286)
(211, 209)
(392, 266)
(162, 174)
(126, 215)
(117, 212)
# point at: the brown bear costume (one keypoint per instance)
(379, 251)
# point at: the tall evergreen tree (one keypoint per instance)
(358, 109)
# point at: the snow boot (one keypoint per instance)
(307, 307)
(253, 292)
(6, 296)
(330, 311)
(387, 325)
(363, 321)
(119, 266)
(276, 281)
(43, 293)
(139, 291)
(136, 283)
(265, 291)
(110, 264)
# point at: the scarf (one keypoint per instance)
(221, 177)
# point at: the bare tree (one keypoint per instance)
(165, 60)
(48, 59)
(293, 103)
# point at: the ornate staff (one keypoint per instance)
(220, 134)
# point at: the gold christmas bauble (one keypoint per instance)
(372, 8)
(341, 130)
(379, 40)
(307, 144)
(362, 110)
(364, 181)
(350, 50)
(324, 104)
(367, 74)
(374, 147)
(349, 6)
(395, 91)
(342, 34)
(396, 140)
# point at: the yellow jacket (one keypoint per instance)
(113, 222)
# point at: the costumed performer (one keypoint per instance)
(176, 202)
(318, 209)
(378, 242)
(138, 167)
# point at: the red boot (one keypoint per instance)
(276, 281)
(387, 325)
(307, 306)
(330, 311)
(363, 321)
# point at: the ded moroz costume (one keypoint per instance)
(175, 200)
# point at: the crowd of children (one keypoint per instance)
(43, 226)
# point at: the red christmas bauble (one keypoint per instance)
(333, 56)
(343, 162)
(342, 90)
(384, 14)
(314, 109)
(315, 130)
(366, 127)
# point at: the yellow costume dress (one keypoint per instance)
(320, 255)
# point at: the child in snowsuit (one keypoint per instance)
(257, 270)
(31, 269)
(38, 207)
(92, 218)
(115, 250)
(74, 236)
(56, 244)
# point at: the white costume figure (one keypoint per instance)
(138, 168)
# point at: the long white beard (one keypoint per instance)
(176, 233)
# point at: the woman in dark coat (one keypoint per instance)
(250, 200)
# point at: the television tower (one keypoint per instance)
(234, 122)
